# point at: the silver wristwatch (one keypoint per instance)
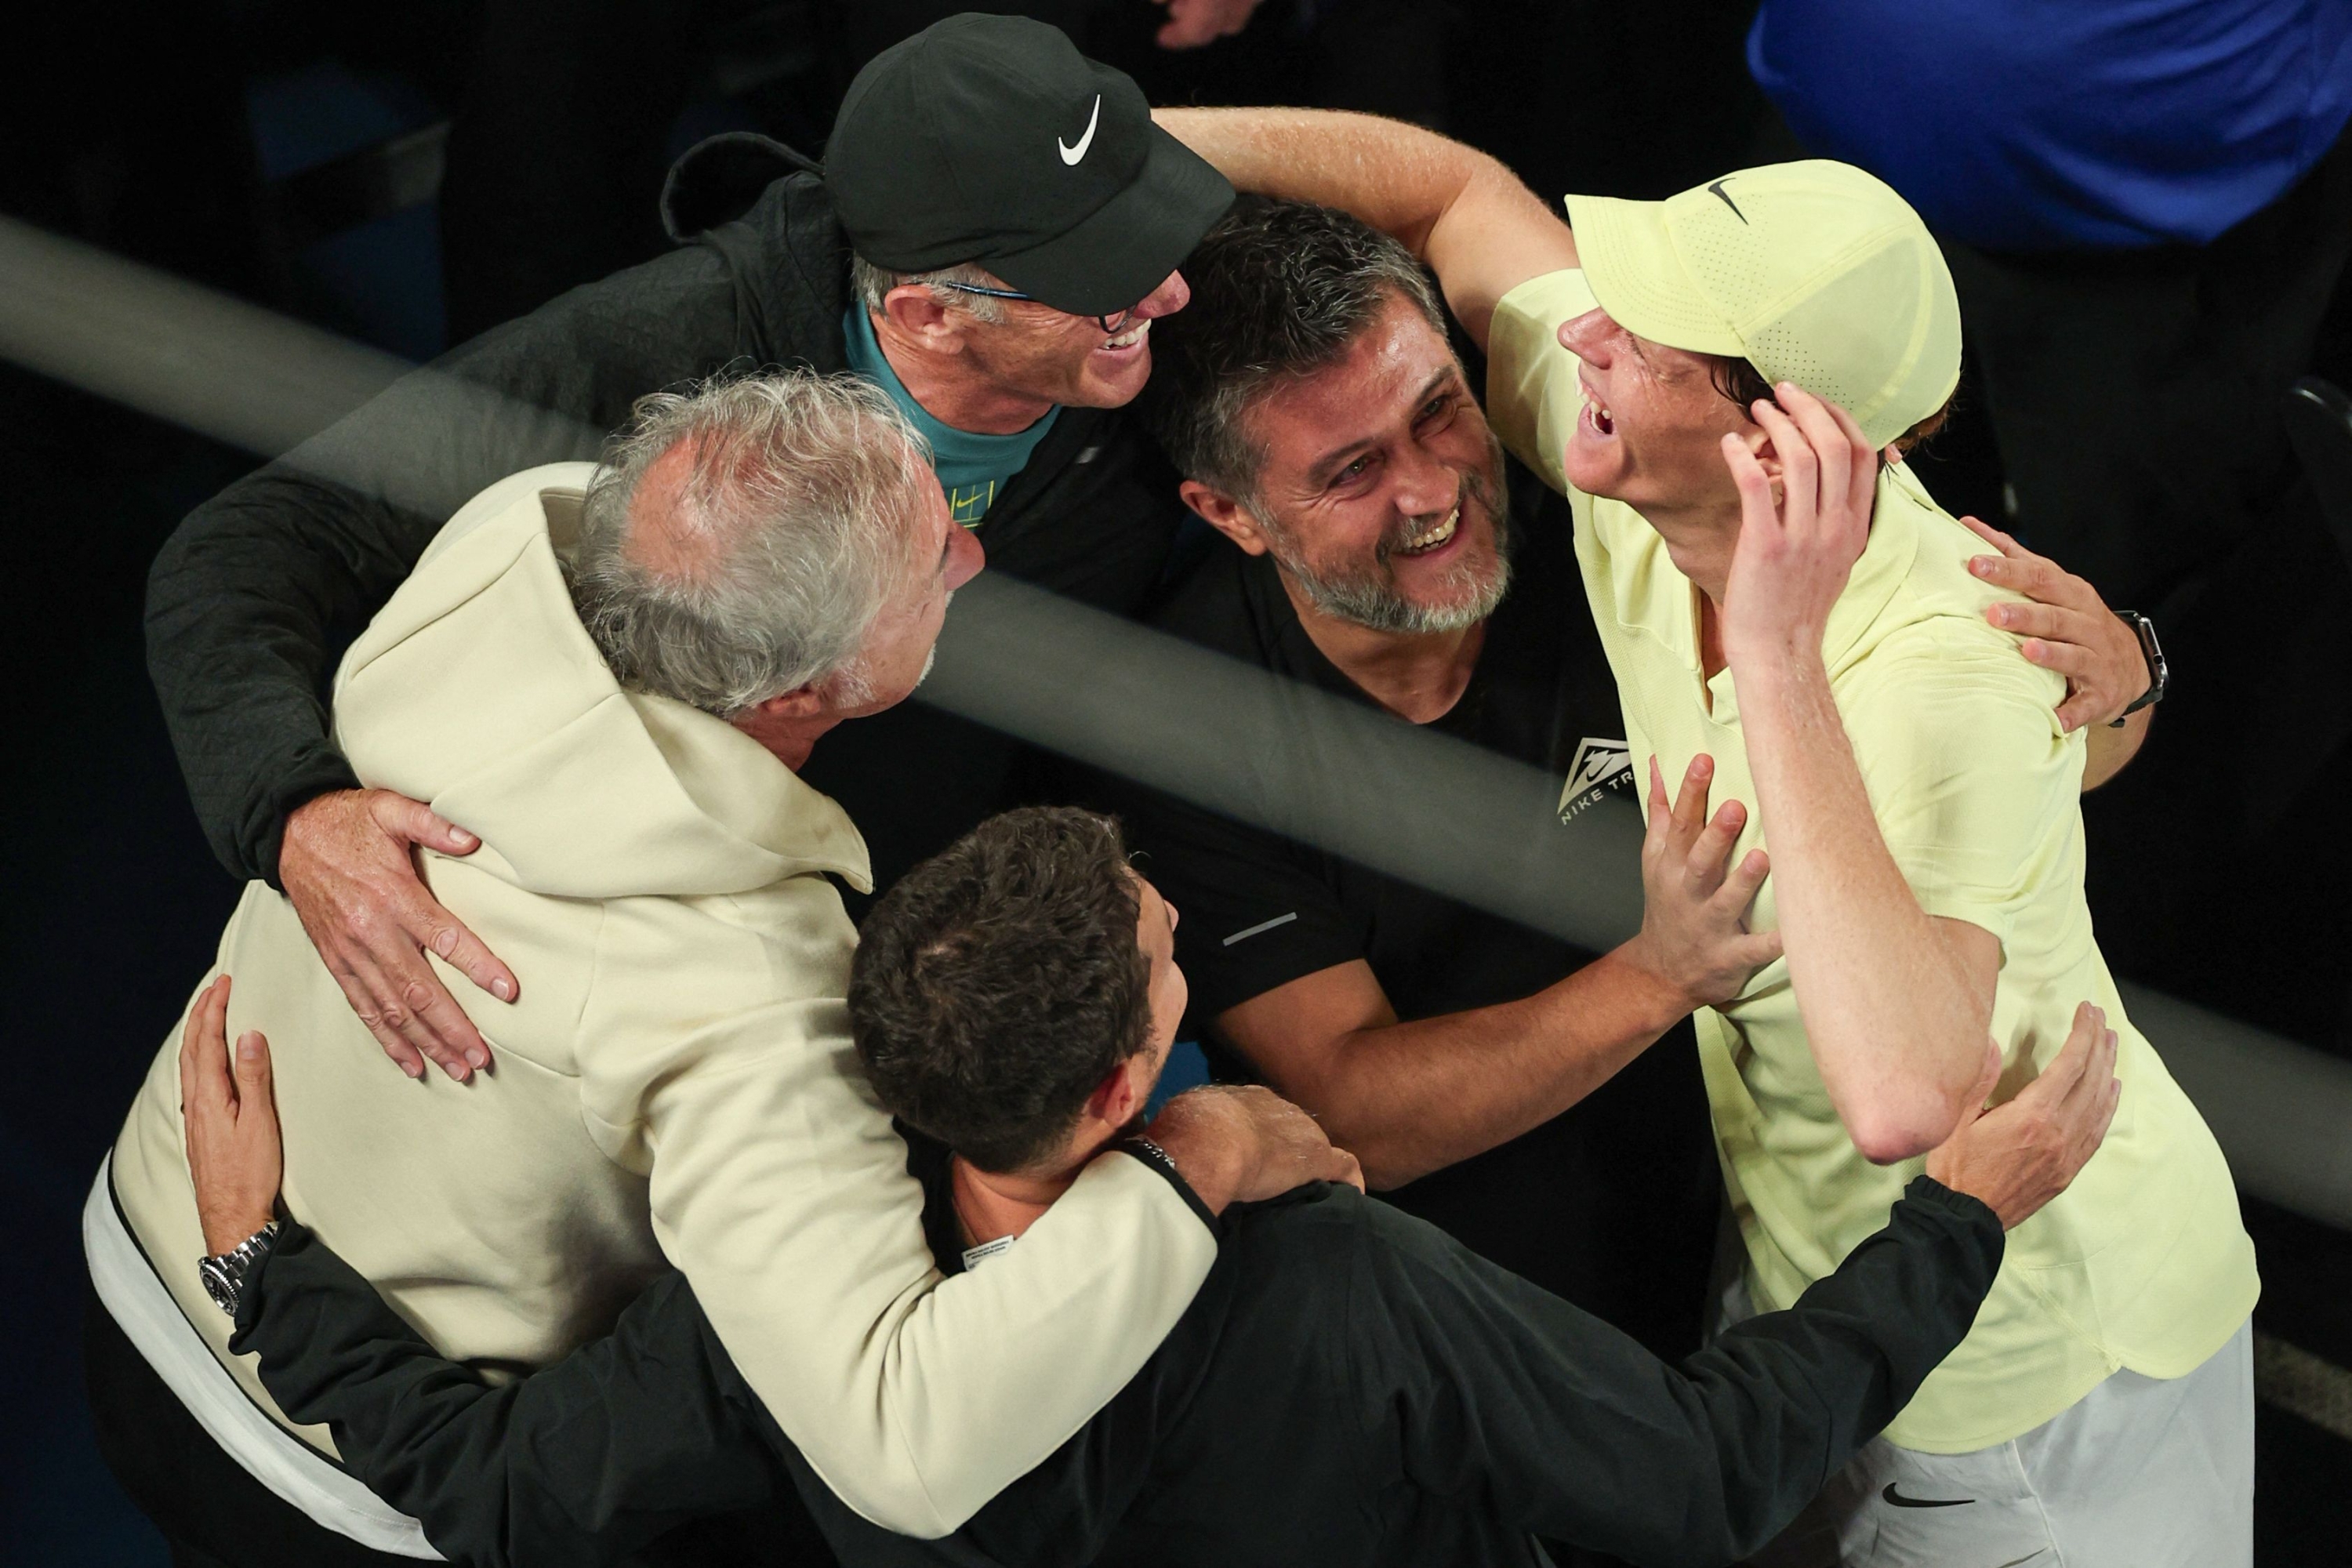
(223, 1275)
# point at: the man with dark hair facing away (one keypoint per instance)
(1348, 1386)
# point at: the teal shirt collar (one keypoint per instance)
(972, 468)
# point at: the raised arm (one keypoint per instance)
(1475, 224)
(1896, 1002)
(248, 594)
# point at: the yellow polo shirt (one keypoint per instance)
(2142, 1263)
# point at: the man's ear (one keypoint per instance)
(915, 313)
(1758, 442)
(1224, 513)
(800, 702)
(1124, 1091)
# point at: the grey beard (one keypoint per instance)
(1369, 602)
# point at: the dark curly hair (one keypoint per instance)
(1000, 982)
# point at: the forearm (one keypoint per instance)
(1897, 1026)
(1574, 1431)
(1787, 1398)
(242, 602)
(580, 1464)
(2109, 750)
(1397, 177)
(1459, 210)
(1407, 1098)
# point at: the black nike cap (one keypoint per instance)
(992, 140)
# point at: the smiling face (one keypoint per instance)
(1651, 427)
(1037, 352)
(1380, 492)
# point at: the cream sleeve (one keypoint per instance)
(780, 1188)
(1531, 394)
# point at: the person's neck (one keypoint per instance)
(951, 390)
(1700, 542)
(1417, 676)
(989, 1205)
(789, 740)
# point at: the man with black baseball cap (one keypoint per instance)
(996, 226)
(992, 140)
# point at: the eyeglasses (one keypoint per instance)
(1111, 325)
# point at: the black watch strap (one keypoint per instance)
(2160, 675)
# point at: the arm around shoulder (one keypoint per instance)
(780, 1188)
(1461, 211)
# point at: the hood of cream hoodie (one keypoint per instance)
(477, 690)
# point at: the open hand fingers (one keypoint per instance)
(1690, 806)
(1832, 451)
(442, 935)
(256, 1099)
(204, 1081)
(2066, 1068)
(1709, 856)
(361, 994)
(400, 1002)
(2037, 577)
(1737, 894)
(2073, 661)
(419, 824)
(1801, 478)
(1757, 511)
(2059, 623)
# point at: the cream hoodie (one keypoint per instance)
(676, 1082)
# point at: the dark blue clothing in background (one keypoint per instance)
(2041, 125)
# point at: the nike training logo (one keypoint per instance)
(1725, 198)
(1899, 1500)
(1070, 154)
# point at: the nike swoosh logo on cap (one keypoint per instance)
(1070, 154)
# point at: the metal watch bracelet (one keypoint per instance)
(225, 1273)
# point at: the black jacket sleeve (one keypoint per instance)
(584, 1463)
(1478, 1385)
(246, 594)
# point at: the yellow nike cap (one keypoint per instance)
(1813, 272)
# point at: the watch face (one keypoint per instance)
(218, 1285)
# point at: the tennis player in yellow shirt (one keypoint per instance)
(1723, 386)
